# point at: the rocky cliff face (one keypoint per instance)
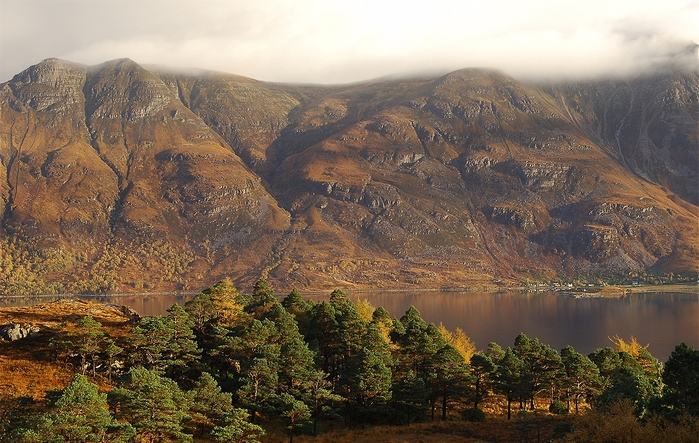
(167, 180)
(648, 124)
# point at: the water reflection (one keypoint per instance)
(659, 319)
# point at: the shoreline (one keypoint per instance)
(605, 291)
(689, 288)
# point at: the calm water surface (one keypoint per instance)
(661, 320)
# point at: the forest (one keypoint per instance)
(236, 367)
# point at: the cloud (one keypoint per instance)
(344, 41)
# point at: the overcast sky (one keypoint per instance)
(338, 41)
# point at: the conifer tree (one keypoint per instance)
(681, 379)
(299, 309)
(482, 373)
(607, 361)
(542, 367)
(209, 404)
(324, 336)
(79, 415)
(582, 380)
(322, 401)
(366, 385)
(383, 322)
(351, 327)
(415, 346)
(88, 340)
(201, 310)
(628, 382)
(293, 412)
(148, 342)
(164, 343)
(182, 350)
(494, 351)
(295, 363)
(508, 378)
(154, 405)
(112, 350)
(236, 428)
(259, 381)
(262, 299)
(410, 396)
(451, 375)
(227, 304)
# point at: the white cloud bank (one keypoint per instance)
(337, 41)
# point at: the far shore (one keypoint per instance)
(691, 288)
(595, 291)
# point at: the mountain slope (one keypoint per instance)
(649, 124)
(118, 177)
(109, 158)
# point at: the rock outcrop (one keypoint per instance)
(16, 331)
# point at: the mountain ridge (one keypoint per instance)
(144, 176)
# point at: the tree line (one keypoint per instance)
(227, 362)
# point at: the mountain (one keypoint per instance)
(120, 177)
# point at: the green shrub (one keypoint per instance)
(558, 408)
(473, 414)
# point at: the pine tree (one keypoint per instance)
(182, 350)
(299, 309)
(111, 351)
(324, 336)
(293, 412)
(79, 415)
(165, 343)
(681, 378)
(155, 405)
(321, 398)
(148, 342)
(209, 404)
(236, 428)
(607, 361)
(482, 373)
(582, 379)
(351, 327)
(259, 382)
(88, 340)
(366, 385)
(451, 375)
(542, 367)
(628, 382)
(296, 365)
(201, 310)
(410, 396)
(262, 299)
(494, 351)
(417, 344)
(508, 378)
(383, 322)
